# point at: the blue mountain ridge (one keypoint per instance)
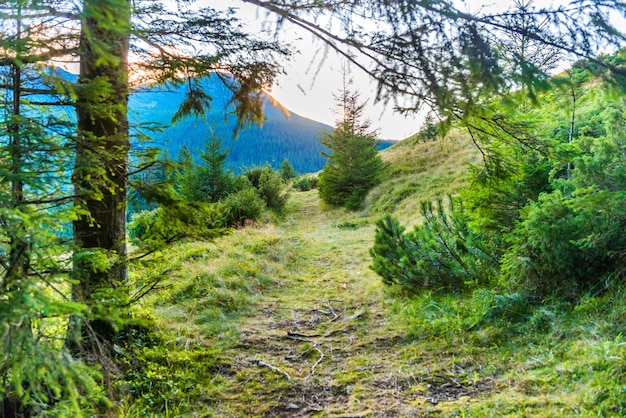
(283, 135)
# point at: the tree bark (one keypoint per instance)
(101, 167)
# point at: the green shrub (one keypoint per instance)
(152, 229)
(253, 174)
(440, 254)
(272, 190)
(245, 205)
(158, 374)
(566, 245)
(269, 185)
(287, 172)
(305, 183)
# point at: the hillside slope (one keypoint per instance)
(421, 171)
(286, 319)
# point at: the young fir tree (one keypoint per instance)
(287, 172)
(186, 180)
(215, 182)
(353, 165)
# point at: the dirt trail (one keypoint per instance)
(325, 332)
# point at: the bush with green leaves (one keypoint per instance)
(245, 205)
(567, 244)
(305, 183)
(441, 254)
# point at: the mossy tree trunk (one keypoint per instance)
(101, 166)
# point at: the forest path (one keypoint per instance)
(321, 342)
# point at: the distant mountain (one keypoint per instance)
(281, 136)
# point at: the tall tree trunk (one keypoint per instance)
(18, 254)
(101, 166)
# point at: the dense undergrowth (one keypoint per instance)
(474, 353)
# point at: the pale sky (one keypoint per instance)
(312, 77)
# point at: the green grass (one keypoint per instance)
(298, 295)
(421, 171)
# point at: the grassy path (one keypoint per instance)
(288, 320)
(321, 341)
(326, 327)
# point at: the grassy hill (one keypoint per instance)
(287, 319)
(421, 171)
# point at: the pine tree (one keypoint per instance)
(287, 172)
(353, 165)
(214, 181)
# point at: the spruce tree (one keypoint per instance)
(93, 146)
(214, 181)
(36, 150)
(287, 172)
(353, 165)
(186, 179)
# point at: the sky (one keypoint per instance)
(312, 76)
(311, 79)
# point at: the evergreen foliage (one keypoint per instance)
(429, 130)
(547, 203)
(353, 166)
(61, 170)
(305, 182)
(440, 55)
(38, 376)
(441, 254)
(208, 180)
(566, 245)
(186, 182)
(242, 207)
(269, 186)
(287, 172)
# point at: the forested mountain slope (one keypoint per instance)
(283, 135)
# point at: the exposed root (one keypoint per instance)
(272, 368)
(319, 360)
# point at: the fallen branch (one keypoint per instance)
(272, 368)
(354, 316)
(303, 337)
(332, 311)
(298, 338)
(319, 360)
(297, 334)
